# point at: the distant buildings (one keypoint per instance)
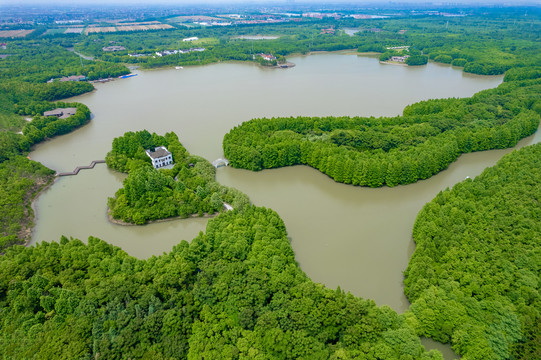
(3, 46)
(166, 52)
(328, 31)
(114, 48)
(138, 55)
(368, 17)
(73, 78)
(173, 52)
(191, 39)
(399, 58)
(398, 47)
(318, 15)
(160, 157)
(61, 113)
(268, 57)
(70, 78)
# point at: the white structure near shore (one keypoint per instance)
(160, 157)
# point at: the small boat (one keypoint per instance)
(127, 76)
(178, 67)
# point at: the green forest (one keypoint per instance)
(473, 279)
(188, 188)
(390, 151)
(25, 93)
(236, 291)
(20, 180)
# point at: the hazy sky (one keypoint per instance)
(195, 2)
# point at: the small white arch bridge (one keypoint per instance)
(220, 162)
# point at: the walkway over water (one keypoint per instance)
(220, 162)
(78, 168)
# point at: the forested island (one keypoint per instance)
(236, 290)
(187, 188)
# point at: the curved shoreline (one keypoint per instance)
(393, 63)
(35, 198)
(124, 223)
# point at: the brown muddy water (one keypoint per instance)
(355, 238)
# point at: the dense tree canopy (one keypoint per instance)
(234, 292)
(473, 279)
(20, 179)
(187, 188)
(389, 151)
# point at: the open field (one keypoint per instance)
(139, 23)
(159, 26)
(104, 29)
(55, 31)
(151, 25)
(156, 26)
(14, 33)
(74, 30)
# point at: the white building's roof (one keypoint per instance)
(158, 152)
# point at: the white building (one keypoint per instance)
(191, 39)
(268, 57)
(160, 157)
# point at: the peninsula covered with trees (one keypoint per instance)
(390, 151)
(473, 279)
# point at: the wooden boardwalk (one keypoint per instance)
(79, 168)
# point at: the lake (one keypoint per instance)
(355, 238)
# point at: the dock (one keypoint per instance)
(79, 168)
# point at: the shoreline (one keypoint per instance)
(289, 63)
(192, 216)
(393, 63)
(35, 198)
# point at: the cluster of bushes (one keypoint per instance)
(473, 279)
(188, 188)
(390, 151)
